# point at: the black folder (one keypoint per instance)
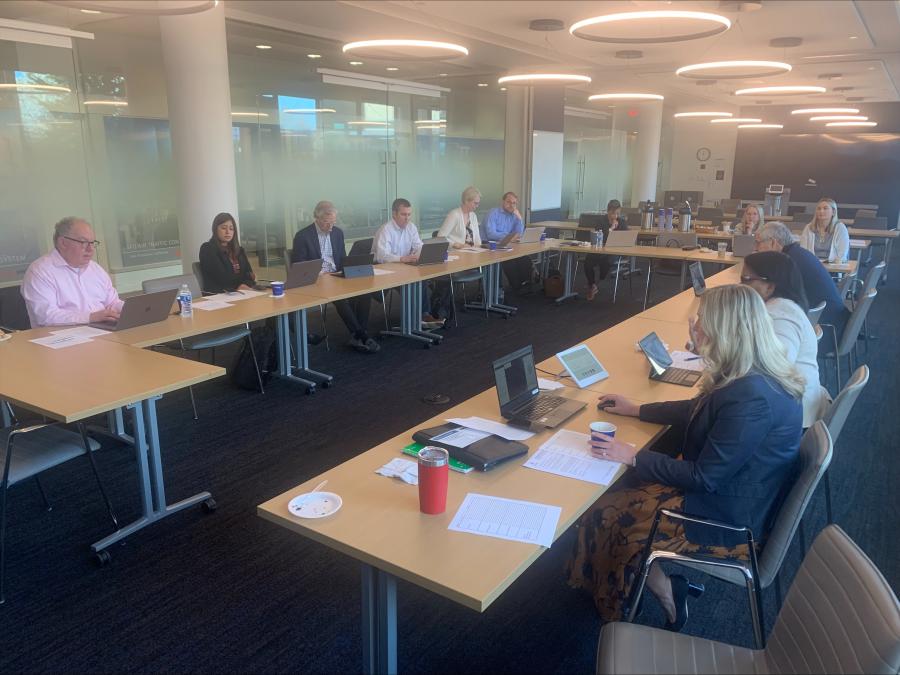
(484, 455)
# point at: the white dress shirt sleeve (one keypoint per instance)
(382, 248)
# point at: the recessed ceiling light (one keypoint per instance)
(430, 122)
(36, 88)
(545, 25)
(852, 124)
(249, 114)
(314, 56)
(91, 11)
(366, 123)
(656, 21)
(356, 63)
(626, 97)
(482, 84)
(307, 111)
(732, 70)
(392, 68)
(532, 78)
(785, 90)
(760, 126)
(703, 113)
(442, 74)
(413, 49)
(853, 37)
(264, 46)
(825, 111)
(113, 104)
(432, 126)
(736, 120)
(839, 118)
(502, 88)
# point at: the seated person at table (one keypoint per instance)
(501, 221)
(66, 286)
(460, 227)
(751, 220)
(777, 280)
(612, 220)
(817, 282)
(322, 239)
(825, 235)
(398, 240)
(223, 263)
(741, 438)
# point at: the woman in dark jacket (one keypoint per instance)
(741, 438)
(223, 263)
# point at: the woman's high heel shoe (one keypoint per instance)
(681, 589)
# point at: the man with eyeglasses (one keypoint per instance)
(66, 286)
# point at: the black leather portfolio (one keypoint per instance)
(483, 455)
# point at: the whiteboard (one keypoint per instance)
(546, 170)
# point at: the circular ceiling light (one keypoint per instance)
(405, 49)
(703, 113)
(626, 97)
(113, 104)
(736, 120)
(852, 124)
(839, 118)
(760, 126)
(536, 78)
(307, 111)
(782, 91)
(733, 70)
(140, 7)
(825, 111)
(36, 88)
(655, 26)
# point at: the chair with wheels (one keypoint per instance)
(847, 344)
(872, 278)
(840, 616)
(669, 268)
(761, 570)
(467, 277)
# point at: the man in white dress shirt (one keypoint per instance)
(66, 286)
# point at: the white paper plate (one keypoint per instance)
(314, 504)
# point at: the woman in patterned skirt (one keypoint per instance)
(740, 440)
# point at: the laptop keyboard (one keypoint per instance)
(679, 376)
(540, 407)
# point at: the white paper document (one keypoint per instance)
(857, 242)
(81, 332)
(233, 296)
(472, 249)
(688, 361)
(210, 305)
(380, 271)
(404, 469)
(511, 519)
(461, 437)
(568, 454)
(497, 428)
(60, 341)
(451, 258)
(549, 385)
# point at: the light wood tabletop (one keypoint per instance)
(864, 233)
(76, 382)
(380, 523)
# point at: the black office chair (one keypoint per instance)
(467, 277)
(13, 312)
(670, 268)
(714, 215)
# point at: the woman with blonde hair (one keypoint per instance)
(751, 220)
(825, 235)
(460, 227)
(739, 442)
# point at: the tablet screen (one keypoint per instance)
(582, 365)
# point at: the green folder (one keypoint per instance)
(413, 451)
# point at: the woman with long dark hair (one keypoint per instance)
(223, 262)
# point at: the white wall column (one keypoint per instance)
(199, 99)
(646, 152)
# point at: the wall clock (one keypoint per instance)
(703, 154)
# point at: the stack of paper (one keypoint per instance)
(568, 454)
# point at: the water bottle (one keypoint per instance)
(598, 238)
(669, 215)
(543, 236)
(661, 219)
(184, 299)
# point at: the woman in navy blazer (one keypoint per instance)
(741, 438)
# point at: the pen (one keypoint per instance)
(694, 358)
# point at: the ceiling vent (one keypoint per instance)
(739, 5)
(856, 98)
(629, 54)
(782, 42)
(705, 83)
(840, 89)
(831, 76)
(546, 25)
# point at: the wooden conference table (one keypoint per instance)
(380, 524)
(74, 383)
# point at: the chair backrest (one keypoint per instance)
(871, 223)
(677, 239)
(872, 277)
(840, 614)
(846, 284)
(730, 205)
(13, 312)
(865, 213)
(709, 213)
(166, 283)
(840, 409)
(815, 313)
(198, 273)
(855, 322)
(590, 220)
(815, 455)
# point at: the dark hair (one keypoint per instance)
(779, 270)
(399, 203)
(234, 245)
(613, 204)
(507, 194)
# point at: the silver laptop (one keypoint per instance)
(139, 310)
(303, 273)
(503, 244)
(621, 238)
(531, 235)
(432, 253)
(520, 399)
(743, 245)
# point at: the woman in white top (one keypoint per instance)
(775, 277)
(826, 236)
(751, 220)
(460, 227)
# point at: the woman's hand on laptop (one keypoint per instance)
(618, 405)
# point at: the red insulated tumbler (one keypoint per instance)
(433, 478)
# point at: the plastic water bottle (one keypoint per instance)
(669, 216)
(661, 219)
(598, 238)
(543, 236)
(184, 299)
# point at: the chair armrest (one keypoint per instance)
(679, 515)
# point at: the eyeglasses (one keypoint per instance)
(746, 279)
(85, 244)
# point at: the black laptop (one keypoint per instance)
(698, 281)
(521, 401)
(357, 266)
(661, 362)
(503, 244)
(303, 273)
(433, 252)
(139, 310)
(361, 247)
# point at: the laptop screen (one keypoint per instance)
(697, 280)
(516, 377)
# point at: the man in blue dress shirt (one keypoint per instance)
(500, 222)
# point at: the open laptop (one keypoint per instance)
(433, 252)
(531, 235)
(698, 281)
(521, 401)
(503, 244)
(139, 310)
(621, 238)
(361, 247)
(357, 266)
(661, 362)
(304, 273)
(743, 245)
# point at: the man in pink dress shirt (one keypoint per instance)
(66, 286)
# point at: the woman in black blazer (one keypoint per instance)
(741, 438)
(223, 263)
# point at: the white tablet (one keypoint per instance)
(582, 365)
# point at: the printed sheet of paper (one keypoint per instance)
(511, 519)
(461, 437)
(380, 271)
(472, 249)
(60, 341)
(568, 454)
(497, 428)
(549, 385)
(210, 305)
(233, 296)
(688, 361)
(86, 332)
